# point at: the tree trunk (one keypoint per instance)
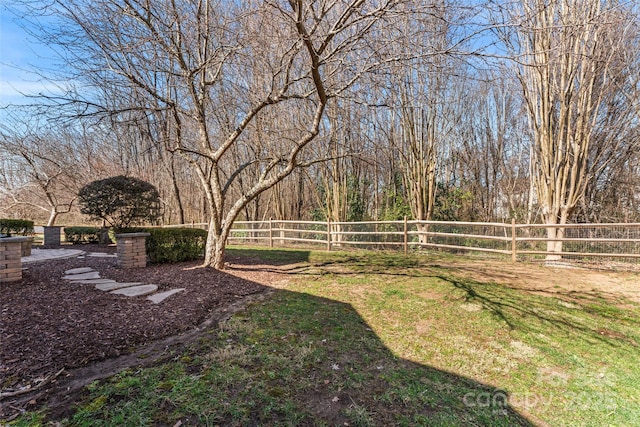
(103, 236)
(216, 245)
(552, 246)
(176, 192)
(422, 237)
(570, 67)
(218, 254)
(53, 215)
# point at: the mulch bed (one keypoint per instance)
(48, 324)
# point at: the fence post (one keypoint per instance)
(270, 232)
(406, 235)
(328, 234)
(513, 240)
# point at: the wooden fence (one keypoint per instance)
(619, 241)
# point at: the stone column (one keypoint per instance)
(11, 258)
(52, 235)
(25, 246)
(131, 250)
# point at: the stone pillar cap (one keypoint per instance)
(133, 235)
(15, 239)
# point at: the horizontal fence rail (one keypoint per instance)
(619, 241)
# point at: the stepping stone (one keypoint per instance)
(94, 281)
(102, 255)
(135, 291)
(161, 296)
(113, 286)
(79, 270)
(83, 276)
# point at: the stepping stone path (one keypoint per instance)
(134, 291)
(82, 276)
(161, 296)
(115, 285)
(79, 270)
(87, 275)
(95, 281)
(101, 255)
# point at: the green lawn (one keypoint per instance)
(371, 338)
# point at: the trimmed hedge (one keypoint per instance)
(21, 227)
(175, 244)
(77, 235)
(170, 244)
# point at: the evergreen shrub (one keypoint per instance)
(77, 235)
(20, 227)
(175, 244)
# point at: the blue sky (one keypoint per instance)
(19, 55)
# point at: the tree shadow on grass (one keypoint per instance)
(296, 261)
(516, 308)
(338, 370)
(574, 312)
(293, 359)
(274, 256)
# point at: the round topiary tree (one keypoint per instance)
(120, 201)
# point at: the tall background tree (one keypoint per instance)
(571, 64)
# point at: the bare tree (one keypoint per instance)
(41, 170)
(571, 63)
(342, 178)
(424, 103)
(218, 68)
(493, 150)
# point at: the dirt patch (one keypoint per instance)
(565, 281)
(58, 335)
